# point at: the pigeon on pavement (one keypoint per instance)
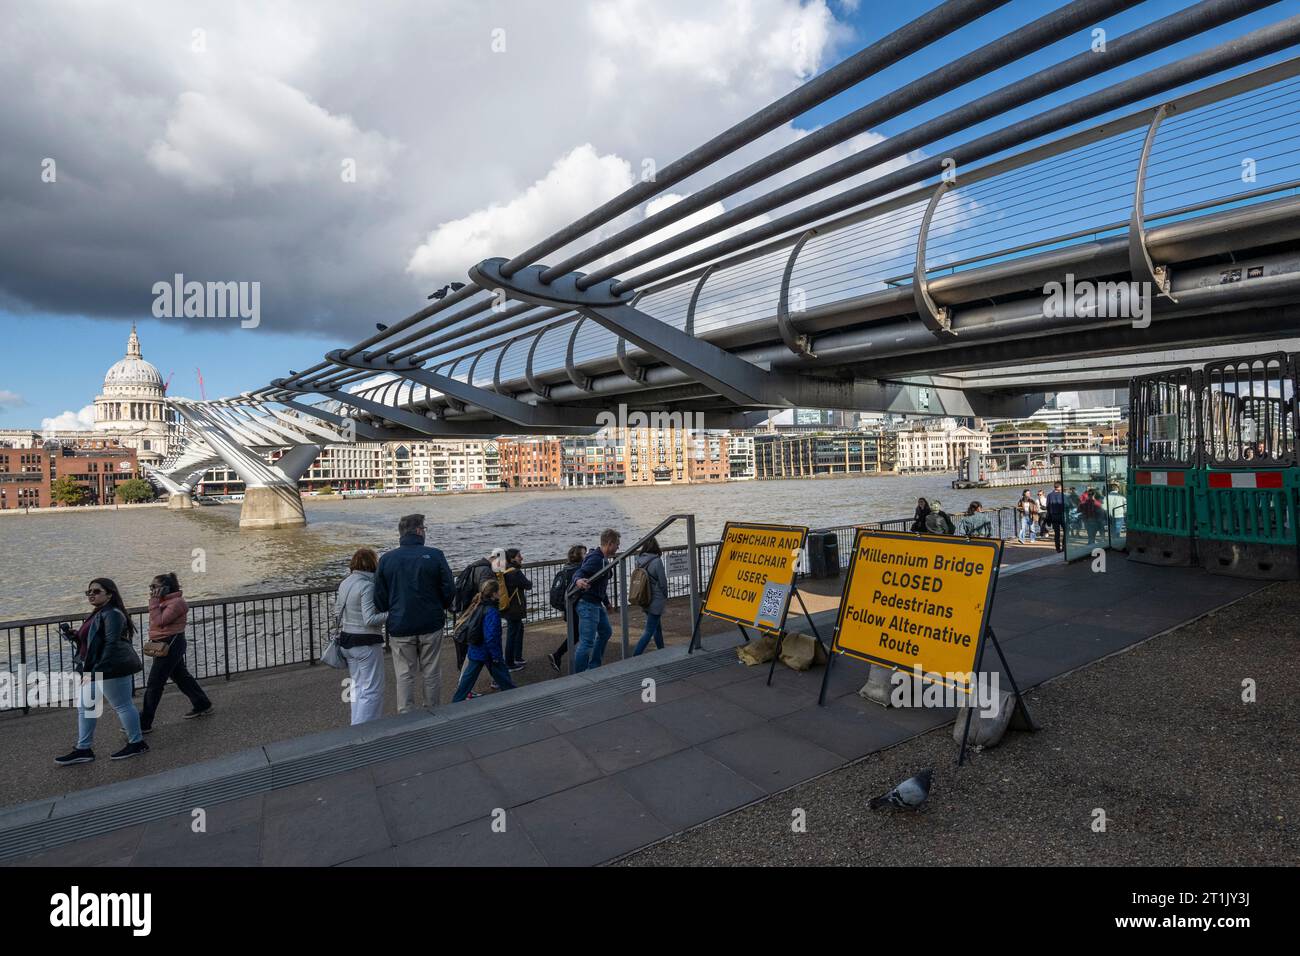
(908, 795)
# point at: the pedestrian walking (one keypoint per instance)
(650, 561)
(483, 643)
(1092, 513)
(515, 607)
(167, 617)
(593, 604)
(107, 662)
(414, 586)
(1056, 514)
(1041, 498)
(560, 585)
(1027, 508)
(361, 636)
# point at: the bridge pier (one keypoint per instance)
(179, 501)
(272, 506)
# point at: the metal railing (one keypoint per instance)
(252, 632)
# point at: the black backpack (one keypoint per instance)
(470, 629)
(467, 585)
(559, 587)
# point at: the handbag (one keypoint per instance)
(157, 648)
(333, 655)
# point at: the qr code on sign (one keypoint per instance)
(773, 603)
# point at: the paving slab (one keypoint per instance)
(433, 801)
(538, 769)
(770, 757)
(473, 843)
(624, 742)
(702, 717)
(590, 824)
(688, 787)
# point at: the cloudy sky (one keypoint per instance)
(351, 157)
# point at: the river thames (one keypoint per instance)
(49, 558)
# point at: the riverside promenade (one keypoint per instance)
(577, 770)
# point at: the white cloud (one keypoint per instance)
(260, 132)
(576, 183)
(83, 420)
(10, 399)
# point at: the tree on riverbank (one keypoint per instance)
(135, 491)
(64, 491)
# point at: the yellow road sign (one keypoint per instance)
(917, 601)
(754, 573)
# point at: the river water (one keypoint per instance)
(47, 559)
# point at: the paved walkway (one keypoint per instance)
(582, 769)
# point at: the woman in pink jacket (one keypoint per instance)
(167, 613)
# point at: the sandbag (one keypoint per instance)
(989, 731)
(758, 651)
(800, 651)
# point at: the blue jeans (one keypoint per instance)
(1026, 527)
(653, 628)
(117, 693)
(470, 674)
(593, 635)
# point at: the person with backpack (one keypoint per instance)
(361, 636)
(514, 607)
(414, 586)
(483, 642)
(468, 585)
(560, 585)
(107, 663)
(939, 521)
(167, 615)
(649, 590)
(592, 606)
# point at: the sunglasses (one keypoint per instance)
(94, 591)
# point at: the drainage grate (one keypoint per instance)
(47, 834)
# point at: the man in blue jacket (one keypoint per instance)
(593, 621)
(414, 584)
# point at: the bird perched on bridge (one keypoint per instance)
(452, 286)
(381, 327)
(908, 795)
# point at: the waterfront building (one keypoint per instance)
(1038, 441)
(450, 465)
(938, 445)
(594, 460)
(97, 465)
(531, 462)
(827, 453)
(740, 449)
(358, 467)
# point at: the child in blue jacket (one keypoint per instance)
(487, 651)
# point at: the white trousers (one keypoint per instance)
(366, 667)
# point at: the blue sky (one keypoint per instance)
(55, 363)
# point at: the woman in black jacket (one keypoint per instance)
(107, 663)
(922, 512)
